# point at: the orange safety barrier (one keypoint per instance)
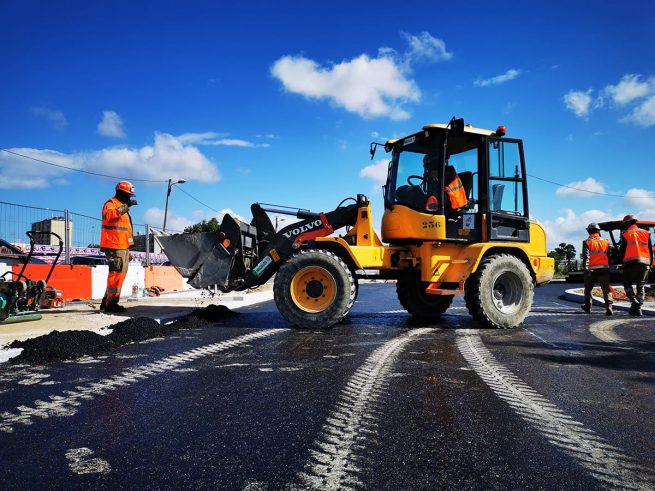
(73, 281)
(165, 277)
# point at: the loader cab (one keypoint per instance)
(426, 165)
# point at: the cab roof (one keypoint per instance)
(618, 224)
(470, 129)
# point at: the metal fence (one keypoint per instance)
(80, 233)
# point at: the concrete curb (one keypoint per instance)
(572, 296)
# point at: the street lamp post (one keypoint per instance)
(168, 193)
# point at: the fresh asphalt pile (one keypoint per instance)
(74, 344)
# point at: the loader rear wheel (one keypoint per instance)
(499, 294)
(412, 296)
(314, 289)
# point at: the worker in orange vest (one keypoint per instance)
(455, 192)
(116, 240)
(637, 253)
(596, 264)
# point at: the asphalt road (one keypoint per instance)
(378, 402)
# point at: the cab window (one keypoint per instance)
(506, 180)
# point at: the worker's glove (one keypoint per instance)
(132, 202)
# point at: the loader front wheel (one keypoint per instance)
(314, 289)
(499, 294)
(414, 299)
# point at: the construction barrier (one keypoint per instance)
(73, 281)
(135, 278)
(80, 282)
(164, 277)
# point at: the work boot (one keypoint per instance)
(635, 309)
(115, 309)
(609, 310)
(103, 304)
(586, 308)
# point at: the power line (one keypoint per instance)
(194, 198)
(588, 191)
(79, 170)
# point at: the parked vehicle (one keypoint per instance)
(89, 260)
(10, 254)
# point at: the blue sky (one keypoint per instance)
(277, 101)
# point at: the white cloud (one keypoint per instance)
(583, 189)
(369, 87)
(167, 158)
(642, 115)
(200, 138)
(579, 102)
(377, 172)
(55, 117)
(111, 125)
(177, 223)
(174, 223)
(629, 88)
(510, 74)
(218, 139)
(640, 199)
(570, 228)
(425, 47)
(19, 173)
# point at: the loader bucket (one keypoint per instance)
(200, 257)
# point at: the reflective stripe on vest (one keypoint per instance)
(456, 194)
(636, 245)
(108, 227)
(597, 249)
(116, 231)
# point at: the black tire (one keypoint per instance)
(500, 293)
(412, 296)
(334, 280)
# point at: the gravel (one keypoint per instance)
(69, 345)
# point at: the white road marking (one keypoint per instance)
(604, 462)
(334, 459)
(68, 403)
(541, 339)
(79, 463)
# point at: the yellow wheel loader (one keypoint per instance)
(456, 221)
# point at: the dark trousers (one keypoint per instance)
(635, 273)
(593, 276)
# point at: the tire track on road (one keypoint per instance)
(603, 461)
(336, 456)
(604, 330)
(68, 403)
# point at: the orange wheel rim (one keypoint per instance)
(313, 289)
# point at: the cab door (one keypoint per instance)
(507, 192)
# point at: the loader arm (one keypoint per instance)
(243, 255)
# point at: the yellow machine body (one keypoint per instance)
(427, 248)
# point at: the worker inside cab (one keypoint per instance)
(454, 192)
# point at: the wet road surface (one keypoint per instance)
(378, 402)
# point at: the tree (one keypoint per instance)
(210, 225)
(566, 251)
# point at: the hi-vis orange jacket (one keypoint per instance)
(636, 242)
(116, 228)
(456, 193)
(597, 252)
